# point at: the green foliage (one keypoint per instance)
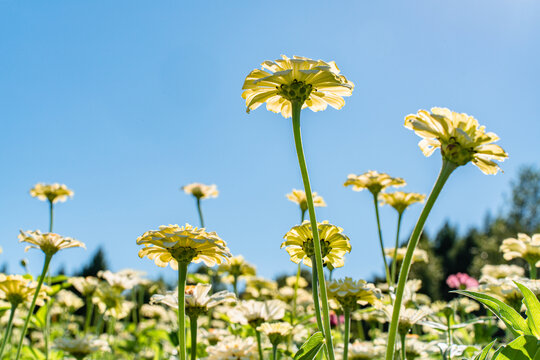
(310, 348)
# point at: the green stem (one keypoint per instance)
(315, 291)
(389, 280)
(259, 345)
(50, 216)
(347, 313)
(48, 313)
(7, 333)
(403, 348)
(446, 170)
(235, 285)
(200, 211)
(532, 270)
(182, 274)
(193, 327)
(33, 304)
(296, 109)
(449, 330)
(100, 324)
(295, 295)
(274, 351)
(136, 305)
(302, 216)
(394, 261)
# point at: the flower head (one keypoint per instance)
(459, 136)
(374, 181)
(276, 332)
(334, 244)
(349, 293)
(525, 247)
(49, 243)
(233, 348)
(51, 192)
(81, 347)
(311, 83)
(400, 200)
(172, 244)
(502, 271)
(419, 255)
(17, 289)
(201, 191)
(124, 279)
(111, 302)
(237, 266)
(461, 281)
(299, 197)
(85, 285)
(255, 312)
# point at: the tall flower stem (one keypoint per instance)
(394, 260)
(89, 313)
(296, 109)
(403, 348)
(200, 211)
(235, 285)
(33, 304)
(193, 328)
(7, 333)
(389, 279)
(532, 270)
(347, 315)
(298, 272)
(446, 170)
(182, 275)
(51, 216)
(48, 313)
(315, 291)
(274, 351)
(259, 344)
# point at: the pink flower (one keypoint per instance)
(461, 281)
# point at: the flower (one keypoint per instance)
(502, 271)
(276, 332)
(201, 191)
(68, 300)
(233, 348)
(461, 281)
(237, 266)
(524, 246)
(17, 289)
(364, 350)
(419, 255)
(81, 347)
(400, 200)
(408, 317)
(349, 292)
(299, 197)
(49, 243)
(255, 312)
(334, 244)
(52, 192)
(111, 302)
(260, 288)
(459, 136)
(85, 285)
(124, 279)
(374, 181)
(311, 83)
(172, 244)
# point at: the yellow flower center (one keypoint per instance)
(297, 91)
(184, 255)
(456, 153)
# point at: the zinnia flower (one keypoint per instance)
(334, 244)
(461, 281)
(502, 271)
(372, 180)
(124, 279)
(459, 136)
(81, 347)
(524, 246)
(172, 244)
(237, 266)
(201, 191)
(16, 290)
(52, 192)
(400, 200)
(349, 293)
(49, 243)
(299, 197)
(233, 348)
(85, 285)
(255, 312)
(312, 83)
(111, 302)
(276, 332)
(419, 255)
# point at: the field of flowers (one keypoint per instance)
(227, 312)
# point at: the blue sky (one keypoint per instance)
(126, 101)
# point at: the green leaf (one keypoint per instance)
(310, 348)
(533, 309)
(524, 347)
(485, 351)
(511, 318)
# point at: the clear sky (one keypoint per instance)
(126, 101)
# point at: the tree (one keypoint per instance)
(524, 215)
(96, 263)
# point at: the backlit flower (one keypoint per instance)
(237, 266)
(51, 192)
(334, 244)
(459, 136)
(201, 191)
(49, 243)
(419, 255)
(233, 348)
(81, 347)
(502, 271)
(524, 247)
(17, 289)
(374, 181)
(312, 83)
(400, 200)
(66, 299)
(299, 197)
(172, 244)
(364, 350)
(349, 293)
(85, 285)
(110, 301)
(276, 332)
(255, 312)
(124, 279)
(408, 317)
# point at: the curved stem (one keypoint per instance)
(532, 270)
(394, 260)
(389, 280)
(193, 327)
(347, 314)
(200, 212)
(33, 304)
(7, 333)
(296, 109)
(182, 274)
(446, 170)
(259, 345)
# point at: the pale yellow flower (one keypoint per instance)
(81, 347)
(419, 255)
(51, 192)
(237, 266)
(459, 136)
(408, 317)
(334, 244)
(49, 243)
(201, 191)
(233, 348)
(255, 312)
(501, 271)
(525, 247)
(400, 200)
(291, 281)
(276, 332)
(17, 289)
(299, 197)
(260, 288)
(66, 299)
(172, 244)
(124, 279)
(349, 293)
(111, 302)
(312, 83)
(364, 350)
(372, 180)
(85, 285)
